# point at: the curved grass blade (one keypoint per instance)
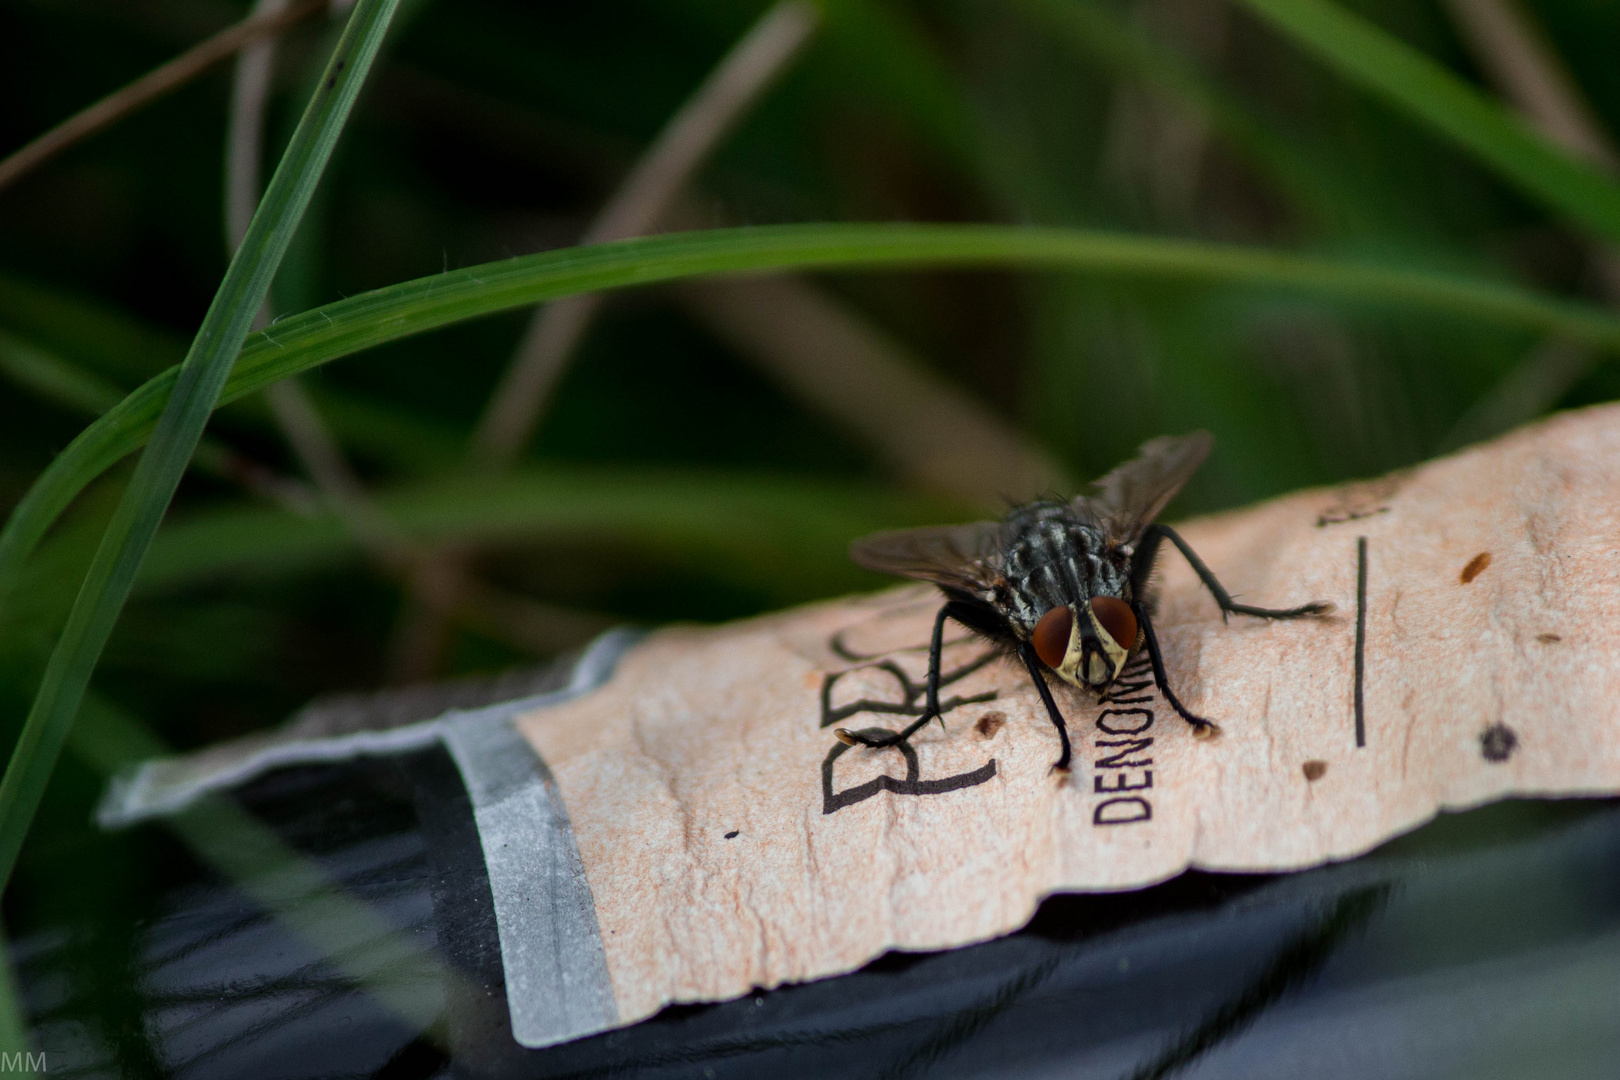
(196, 389)
(307, 340)
(1395, 71)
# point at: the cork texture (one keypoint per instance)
(730, 841)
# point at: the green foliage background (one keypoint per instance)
(669, 479)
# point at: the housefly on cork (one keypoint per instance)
(1061, 585)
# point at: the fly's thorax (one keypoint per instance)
(1052, 559)
(1066, 589)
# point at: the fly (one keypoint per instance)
(1061, 585)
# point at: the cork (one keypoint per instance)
(731, 842)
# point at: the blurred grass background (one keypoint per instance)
(695, 460)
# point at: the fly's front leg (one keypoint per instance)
(1148, 546)
(1026, 653)
(931, 709)
(1201, 727)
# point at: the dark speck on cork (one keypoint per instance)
(1314, 770)
(1497, 743)
(1476, 566)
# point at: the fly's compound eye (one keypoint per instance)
(1051, 637)
(1114, 616)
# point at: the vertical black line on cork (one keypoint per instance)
(1361, 636)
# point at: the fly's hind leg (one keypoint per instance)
(931, 711)
(1148, 546)
(1202, 728)
(1142, 567)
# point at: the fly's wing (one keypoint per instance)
(965, 557)
(1127, 500)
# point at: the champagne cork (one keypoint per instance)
(730, 841)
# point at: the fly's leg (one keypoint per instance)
(1148, 546)
(931, 712)
(1142, 566)
(1201, 727)
(1026, 653)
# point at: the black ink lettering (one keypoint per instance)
(833, 801)
(841, 648)
(911, 703)
(1101, 788)
(1129, 713)
(1339, 517)
(1126, 809)
(911, 693)
(1117, 761)
(1118, 727)
(1361, 636)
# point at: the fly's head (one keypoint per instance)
(1087, 643)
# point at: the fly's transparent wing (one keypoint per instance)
(1127, 500)
(965, 557)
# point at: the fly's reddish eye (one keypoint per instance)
(1051, 637)
(1115, 616)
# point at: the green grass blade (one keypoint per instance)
(307, 340)
(13, 1025)
(400, 973)
(196, 390)
(54, 379)
(1381, 63)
